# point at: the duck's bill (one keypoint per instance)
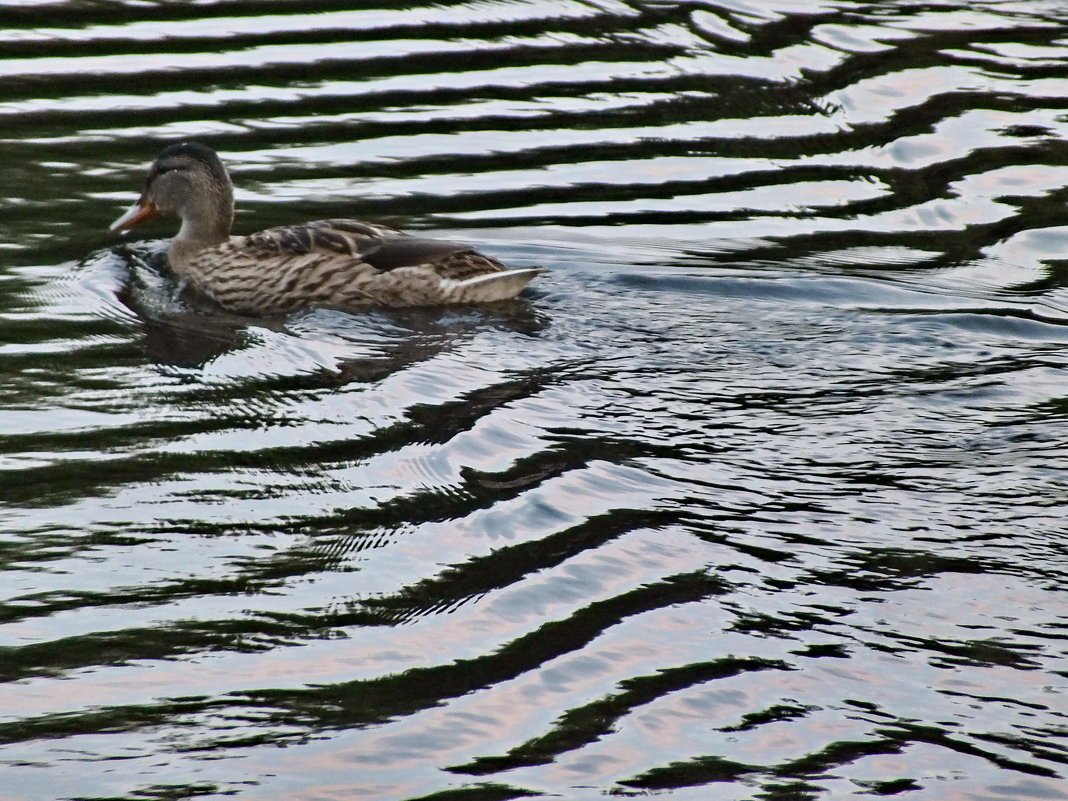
(135, 215)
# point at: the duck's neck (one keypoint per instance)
(204, 225)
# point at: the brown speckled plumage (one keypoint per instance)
(343, 264)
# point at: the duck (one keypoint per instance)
(336, 263)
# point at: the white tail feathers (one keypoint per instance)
(490, 287)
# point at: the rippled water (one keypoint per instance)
(758, 494)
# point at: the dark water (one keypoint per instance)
(759, 494)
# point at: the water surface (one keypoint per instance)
(758, 494)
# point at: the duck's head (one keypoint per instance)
(188, 180)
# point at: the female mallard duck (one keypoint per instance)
(342, 264)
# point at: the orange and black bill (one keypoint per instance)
(135, 215)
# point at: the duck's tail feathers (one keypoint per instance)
(492, 286)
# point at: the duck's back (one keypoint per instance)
(346, 264)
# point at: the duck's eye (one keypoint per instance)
(163, 169)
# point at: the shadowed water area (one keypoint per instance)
(759, 493)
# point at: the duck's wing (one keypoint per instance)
(348, 263)
(380, 248)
